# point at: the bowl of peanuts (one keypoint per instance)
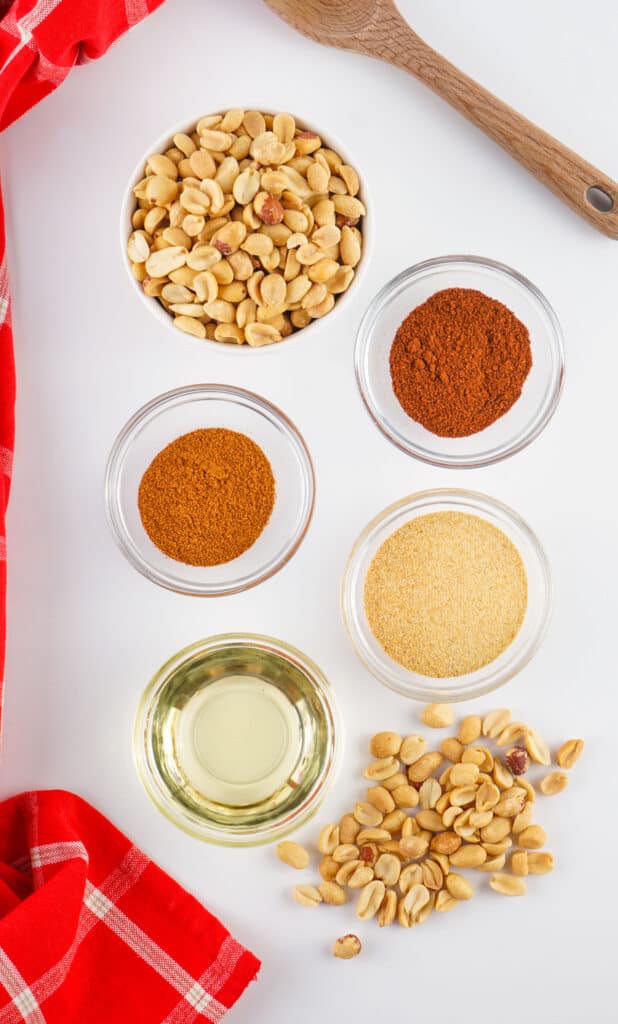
(244, 228)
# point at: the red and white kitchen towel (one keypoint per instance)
(92, 932)
(40, 41)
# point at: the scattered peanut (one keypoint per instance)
(569, 753)
(307, 895)
(293, 854)
(554, 783)
(537, 748)
(402, 846)
(370, 900)
(519, 863)
(332, 893)
(385, 744)
(347, 946)
(382, 768)
(517, 760)
(438, 716)
(532, 838)
(328, 840)
(470, 730)
(540, 863)
(495, 722)
(507, 885)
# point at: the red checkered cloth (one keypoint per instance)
(40, 41)
(92, 932)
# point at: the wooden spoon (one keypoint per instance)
(376, 28)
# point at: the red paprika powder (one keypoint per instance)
(459, 361)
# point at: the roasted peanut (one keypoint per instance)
(293, 855)
(437, 716)
(569, 753)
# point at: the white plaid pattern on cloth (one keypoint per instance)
(212, 979)
(55, 853)
(23, 30)
(23, 999)
(100, 907)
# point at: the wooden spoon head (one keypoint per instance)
(339, 23)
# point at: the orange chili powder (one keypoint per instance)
(458, 362)
(207, 496)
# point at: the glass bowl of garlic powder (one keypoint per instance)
(446, 595)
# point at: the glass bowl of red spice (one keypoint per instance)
(209, 490)
(460, 361)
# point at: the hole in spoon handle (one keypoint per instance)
(600, 199)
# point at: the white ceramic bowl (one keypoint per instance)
(155, 307)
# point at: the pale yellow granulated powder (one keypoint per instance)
(446, 594)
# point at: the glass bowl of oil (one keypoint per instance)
(237, 739)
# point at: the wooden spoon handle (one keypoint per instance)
(587, 190)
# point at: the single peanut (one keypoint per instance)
(519, 863)
(569, 753)
(495, 722)
(540, 863)
(388, 910)
(532, 838)
(459, 887)
(381, 799)
(370, 899)
(470, 730)
(328, 868)
(424, 766)
(328, 840)
(412, 748)
(554, 783)
(293, 854)
(367, 815)
(452, 749)
(406, 796)
(348, 829)
(507, 885)
(438, 716)
(332, 893)
(307, 895)
(382, 768)
(385, 744)
(347, 946)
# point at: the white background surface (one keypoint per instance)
(86, 632)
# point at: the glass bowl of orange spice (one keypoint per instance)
(209, 490)
(460, 361)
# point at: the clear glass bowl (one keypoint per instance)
(497, 672)
(191, 408)
(541, 392)
(317, 753)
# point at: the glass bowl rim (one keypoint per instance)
(123, 442)
(125, 228)
(556, 343)
(415, 689)
(216, 834)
